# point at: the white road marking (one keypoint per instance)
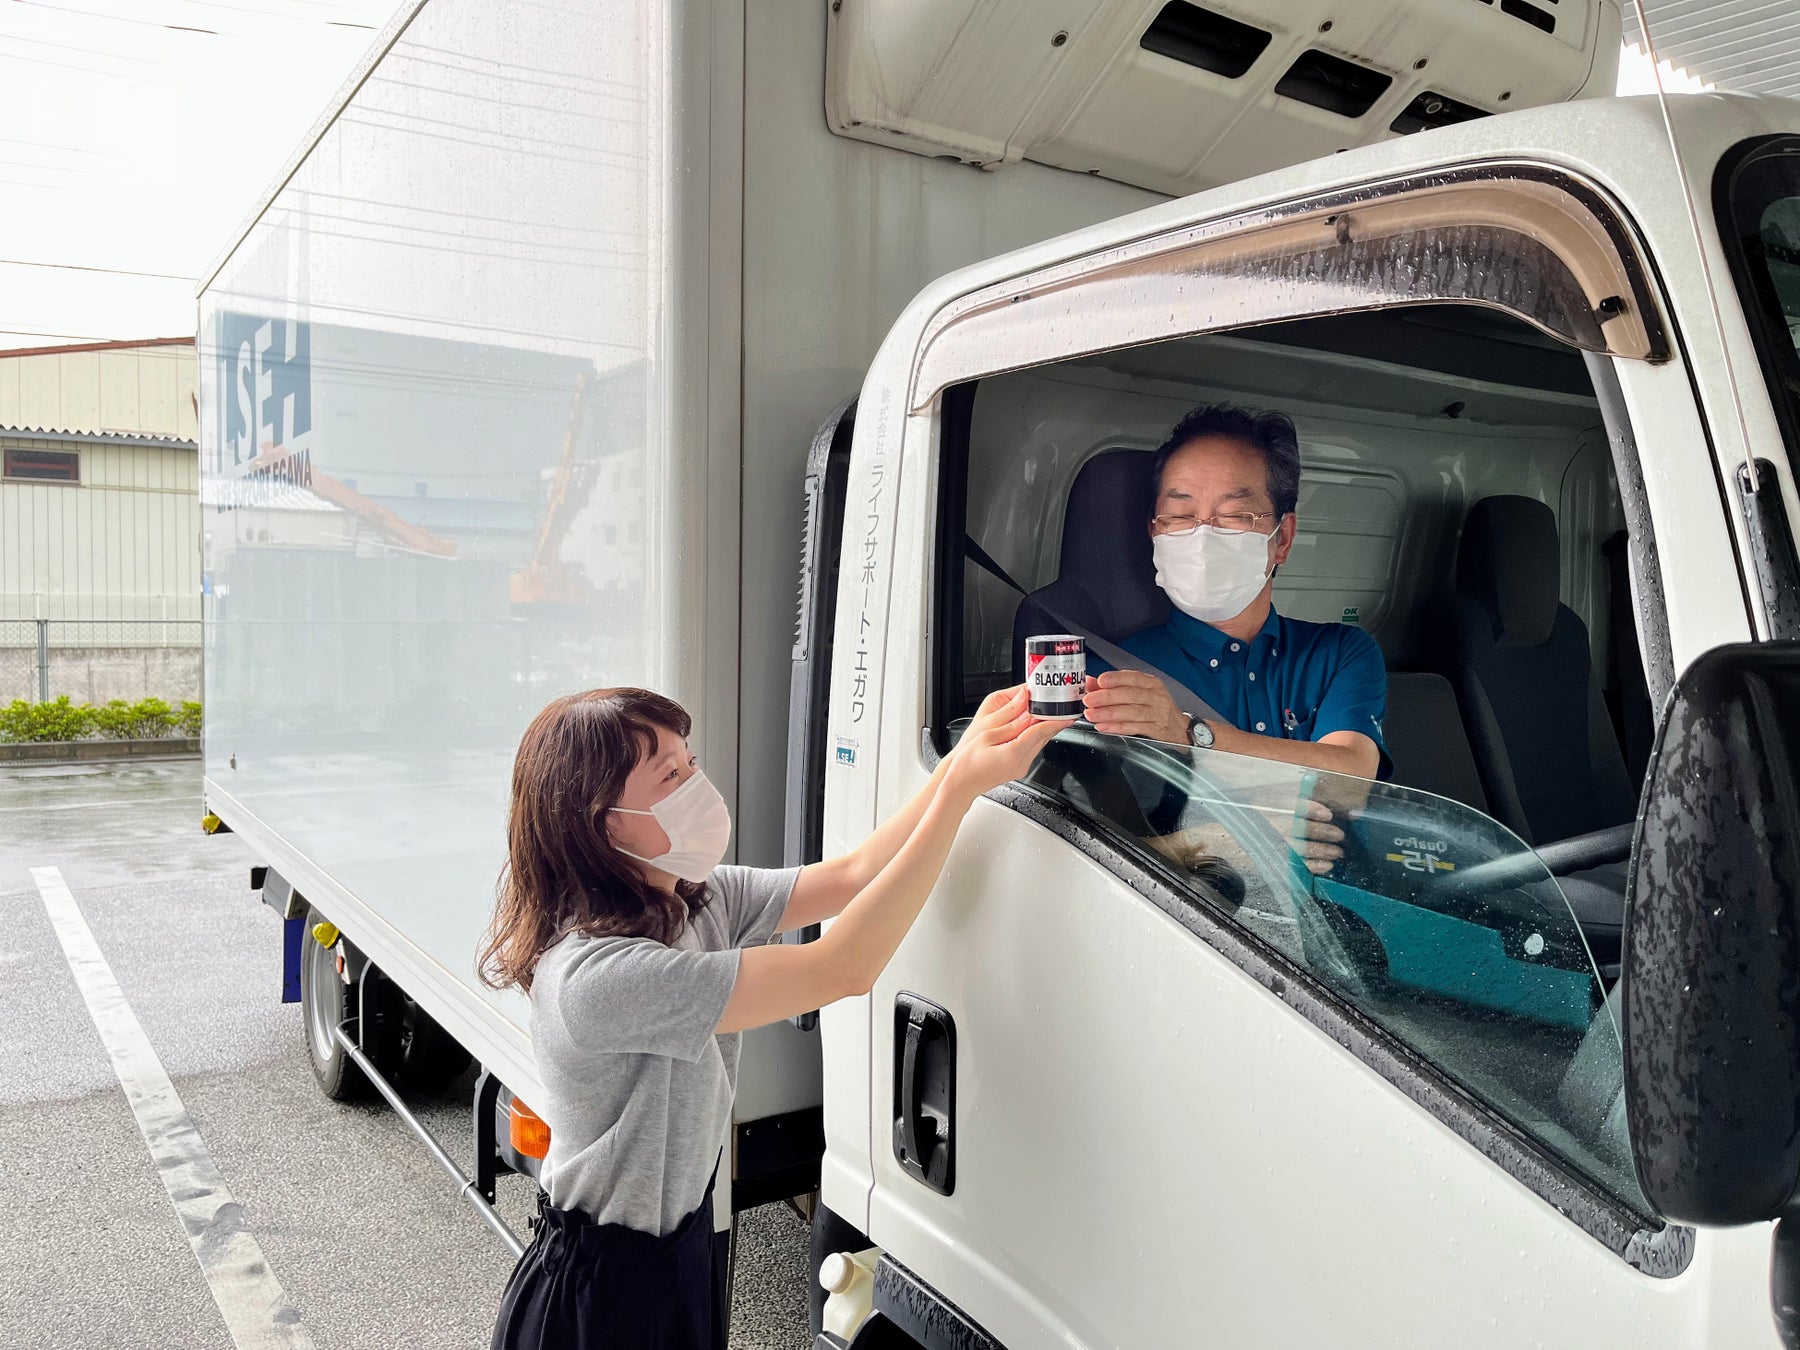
(250, 1298)
(83, 806)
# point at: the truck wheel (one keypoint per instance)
(325, 1001)
(430, 1058)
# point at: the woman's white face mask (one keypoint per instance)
(698, 824)
(1212, 574)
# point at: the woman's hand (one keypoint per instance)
(1000, 745)
(1317, 837)
(782, 980)
(826, 887)
(1002, 704)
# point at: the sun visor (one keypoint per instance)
(1178, 97)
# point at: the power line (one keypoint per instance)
(49, 168)
(278, 14)
(115, 18)
(305, 216)
(408, 53)
(503, 100)
(41, 333)
(376, 204)
(506, 142)
(509, 139)
(406, 48)
(623, 262)
(194, 28)
(81, 267)
(85, 70)
(85, 51)
(67, 149)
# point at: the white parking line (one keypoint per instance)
(250, 1298)
(84, 806)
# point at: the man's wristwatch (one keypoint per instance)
(1199, 733)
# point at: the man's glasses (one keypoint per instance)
(1228, 522)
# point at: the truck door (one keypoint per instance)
(1140, 1075)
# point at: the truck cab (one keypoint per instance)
(513, 385)
(1137, 1068)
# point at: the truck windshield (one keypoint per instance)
(1431, 919)
(1759, 218)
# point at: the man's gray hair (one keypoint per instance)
(1270, 433)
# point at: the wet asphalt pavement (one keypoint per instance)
(361, 1229)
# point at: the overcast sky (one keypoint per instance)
(136, 135)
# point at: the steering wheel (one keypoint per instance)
(1220, 877)
(1574, 854)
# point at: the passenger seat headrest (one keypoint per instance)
(1510, 564)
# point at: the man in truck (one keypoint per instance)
(1227, 482)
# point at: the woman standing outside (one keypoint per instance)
(644, 959)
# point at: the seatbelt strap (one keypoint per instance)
(1110, 652)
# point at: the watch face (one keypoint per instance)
(1201, 734)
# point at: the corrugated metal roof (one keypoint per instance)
(116, 345)
(95, 437)
(1752, 46)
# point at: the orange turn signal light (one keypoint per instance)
(530, 1136)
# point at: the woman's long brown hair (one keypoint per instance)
(563, 873)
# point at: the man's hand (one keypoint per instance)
(1131, 703)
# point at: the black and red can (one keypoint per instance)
(1056, 674)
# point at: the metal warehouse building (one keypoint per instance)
(99, 522)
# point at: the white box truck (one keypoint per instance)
(514, 385)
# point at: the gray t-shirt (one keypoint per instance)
(637, 1089)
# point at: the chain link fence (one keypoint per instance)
(97, 660)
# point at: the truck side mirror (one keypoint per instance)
(1712, 956)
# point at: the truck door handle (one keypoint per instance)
(925, 1091)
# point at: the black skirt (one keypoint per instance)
(583, 1285)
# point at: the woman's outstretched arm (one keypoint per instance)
(824, 888)
(783, 981)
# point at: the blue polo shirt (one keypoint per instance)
(1297, 680)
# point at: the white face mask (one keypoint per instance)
(1211, 574)
(698, 824)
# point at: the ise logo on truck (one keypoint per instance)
(264, 382)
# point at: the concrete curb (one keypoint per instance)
(69, 752)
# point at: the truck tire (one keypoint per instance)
(325, 1001)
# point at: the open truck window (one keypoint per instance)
(1439, 925)
(1460, 504)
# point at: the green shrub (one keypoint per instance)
(153, 718)
(145, 720)
(57, 720)
(61, 720)
(114, 720)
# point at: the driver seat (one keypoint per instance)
(1107, 578)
